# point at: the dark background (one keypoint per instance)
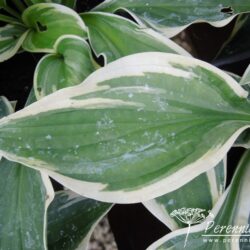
(133, 226)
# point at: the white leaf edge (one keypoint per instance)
(171, 31)
(11, 52)
(53, 52)
(61, 8)
(162, 215)
(116, 69)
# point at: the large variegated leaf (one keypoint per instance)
(11, 39)
(202, 192)
(108, 33)
(170, 17)
(72, 219)
(47, 22)
(229, 229)
(25, 196)
(69, 3)
(71, 63)
(136, 129)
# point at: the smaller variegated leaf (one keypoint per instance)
(11, 39)
(72, 219)
(202, 192)
(171, 17)
(108, 34)
(47, 22)
(226, 227)
(70, 64)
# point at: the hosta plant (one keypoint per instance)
(120, 113)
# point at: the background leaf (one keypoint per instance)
(81, 216)
(108, 33)
(11, 39)
(202, 192)
(237, 47)
(46, 26)
(69, 3)
(171, 17)
(232, 210)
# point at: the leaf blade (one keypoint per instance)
(172, 17)
(70, 64)
(232, 210)
(81, 214)
(45, 30)
(107, 33)
(117, 128)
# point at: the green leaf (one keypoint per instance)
(171, 17)
(245, 80)
(81, 215)
(68, 3)
(11, 39)
(23, 204)
(136, 129)
(236, 49)
(224, 231)
(10, 20)
(71, 63)
(243, 140)
(107, 33)
(5, 107)
(202, 192)
(25, 196)
(47, 22)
